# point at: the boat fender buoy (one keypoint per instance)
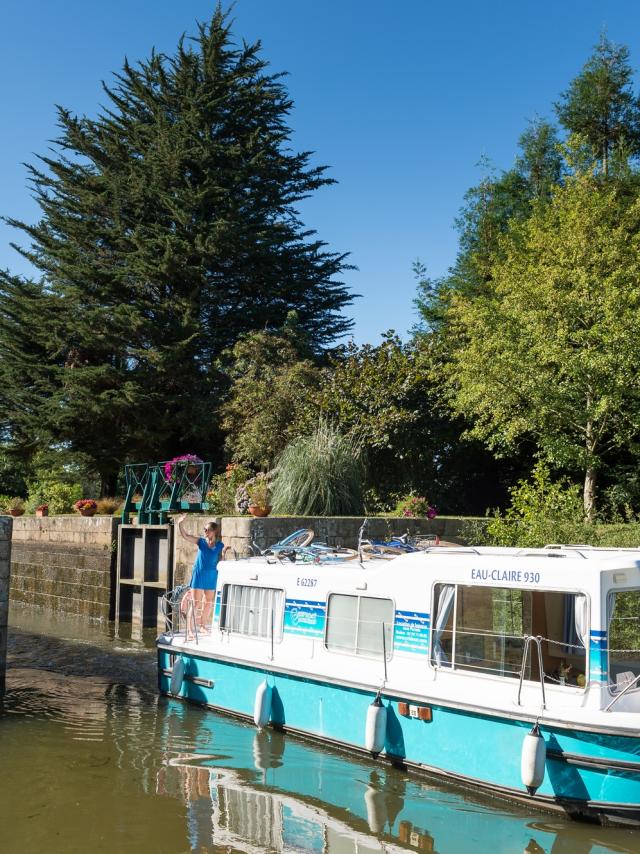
(376, 726)
(262, 705)
(177, 675)
(532, 760)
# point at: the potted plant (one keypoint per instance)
(414, 506)
(259, 495)
(42, 510)
(86, 506)
(15, 506)
(563, 672)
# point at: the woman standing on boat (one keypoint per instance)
(204, 576)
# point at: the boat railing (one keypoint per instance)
(179, 611)
(631, 685)
(530, 640)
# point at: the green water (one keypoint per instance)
(92, 760)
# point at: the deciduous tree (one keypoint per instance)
(552, 350)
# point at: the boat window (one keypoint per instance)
(483, 629)
(362, 625)
(623, 608)
(249, 610)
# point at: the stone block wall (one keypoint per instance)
(65, 563)
(68, 563)
(5, 574)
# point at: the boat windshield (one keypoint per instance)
(623, 612)
(483, 629)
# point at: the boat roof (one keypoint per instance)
(581, 566)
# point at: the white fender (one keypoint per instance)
(376, 809)
(532, 760)
(262, 705)
(177, 675)
(376, 726)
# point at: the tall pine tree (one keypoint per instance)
(600, 104)
(168, 229)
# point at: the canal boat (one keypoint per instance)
(512, 671)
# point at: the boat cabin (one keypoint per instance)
(564, 617)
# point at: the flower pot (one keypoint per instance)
(42, 513)
(14, 511)
(88, 512)
(258, 511)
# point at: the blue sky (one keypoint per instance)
(400, 100)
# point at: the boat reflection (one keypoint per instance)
(265, 791)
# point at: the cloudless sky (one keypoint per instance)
(400, 100)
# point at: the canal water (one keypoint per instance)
(93, 760)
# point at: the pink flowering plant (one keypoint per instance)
(169, 467)
(413, 506)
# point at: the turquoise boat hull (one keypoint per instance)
(591, 775)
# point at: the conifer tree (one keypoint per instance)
(600, 105)
(168, 228)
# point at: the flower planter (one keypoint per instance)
(42, 513)
(89, 512)
(15, 512)
(258, 511)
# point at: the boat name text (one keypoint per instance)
(516, 576)
(307, 582)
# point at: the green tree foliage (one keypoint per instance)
(600, 105)
(552, 350)
(271, 383)
(388, 398)
(380, 396)
(488, 211)
(168, 229)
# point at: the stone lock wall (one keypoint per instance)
(68, 563)
(5, 573)
(65, 563)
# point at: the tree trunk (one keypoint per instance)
(589, 494)
(108, 484)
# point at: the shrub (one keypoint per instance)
(58, 495)
(108, 506)
(412, 506)
(320, 475)
(222, 492)
(542, 511)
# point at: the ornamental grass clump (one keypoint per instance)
(320, 475)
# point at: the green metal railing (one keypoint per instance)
(153, 490)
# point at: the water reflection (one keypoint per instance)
(276, 793)
(94, 760)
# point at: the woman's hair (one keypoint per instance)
(211, 526)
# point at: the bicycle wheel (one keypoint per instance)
(299, 539)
